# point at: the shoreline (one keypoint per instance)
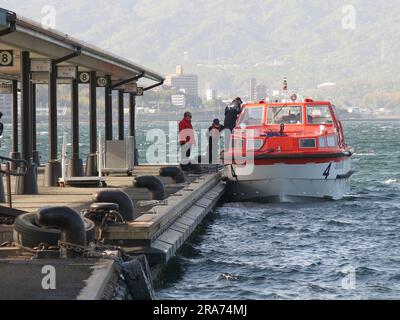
(208, 120)
(148, 120)
(371, 119)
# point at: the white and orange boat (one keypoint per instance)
(296, 152)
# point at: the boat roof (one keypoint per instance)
(280, 104)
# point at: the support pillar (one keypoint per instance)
(132, 123)
(91, 164)
(26, 184)
(121, 122)
(75, 164)
(35, 152)
(108, 110)
(53, 167)
(15, 154)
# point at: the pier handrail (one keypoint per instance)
(19, 163)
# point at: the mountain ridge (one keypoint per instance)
(227, 43)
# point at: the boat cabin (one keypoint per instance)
(307, 126)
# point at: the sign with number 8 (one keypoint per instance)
(84, 77)
(6, 58)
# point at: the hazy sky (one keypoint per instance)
(227, 42)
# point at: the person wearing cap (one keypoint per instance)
(232, 112)
(214, 134)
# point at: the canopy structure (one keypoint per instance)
(32, 54)
(23, 34)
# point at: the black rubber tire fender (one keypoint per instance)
(28, 234)
(153, 184)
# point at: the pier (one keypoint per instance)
(160, 230)
(138, 248)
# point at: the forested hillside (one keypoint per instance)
(228, 42)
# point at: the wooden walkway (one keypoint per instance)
(81, 198)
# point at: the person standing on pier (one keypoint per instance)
(186, 140)
(232, 112)
(214, 135)
(1, 126)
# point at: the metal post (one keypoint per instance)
(35, 153)
(14, 152)
(75, 164)
(91, 164)
(53, 167)
(132, 124)
(9, 196)
(26, 184)
(108, 110)
(121, 119)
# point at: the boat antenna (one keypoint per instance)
(285, 84)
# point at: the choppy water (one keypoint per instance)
(295, 251)
(305, 251)
(145, 132)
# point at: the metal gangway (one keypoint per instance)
(82, 181)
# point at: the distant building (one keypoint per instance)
(211, 94)
(179, 70)
(178, 100)
(187, 83)
(253, 89)
(261, 92)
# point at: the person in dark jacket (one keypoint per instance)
(1, 125)
(232, 113)
(214, 134)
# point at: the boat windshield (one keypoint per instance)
(285, 114)
(252, 116)
(319, 115)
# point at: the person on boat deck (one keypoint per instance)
(214, 134)
(186, 140)
(232, 112)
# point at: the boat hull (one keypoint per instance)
(283, 182)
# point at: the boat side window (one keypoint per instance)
(319, 115)
(252, 116)
(285, 114)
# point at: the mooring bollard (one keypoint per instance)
(153, 184)
(173, 172)
(70, 223)
(124, 201)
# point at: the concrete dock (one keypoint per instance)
(159, 231)
(76, 279)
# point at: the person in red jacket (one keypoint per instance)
(186, 139)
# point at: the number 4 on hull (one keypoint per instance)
(327, 171)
